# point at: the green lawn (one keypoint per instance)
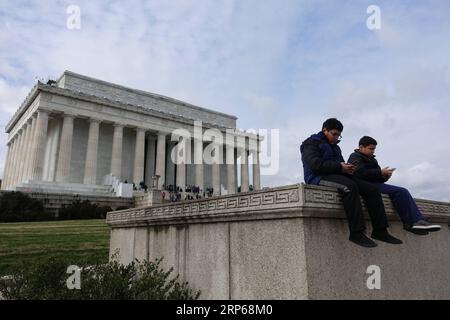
(76, 240)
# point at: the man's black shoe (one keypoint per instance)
(361, 239)
(383, 235)
(419, 232)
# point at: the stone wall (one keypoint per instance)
(284, 243)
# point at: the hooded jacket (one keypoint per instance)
(320, 158)
(367, 168)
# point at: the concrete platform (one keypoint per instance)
(288, 242)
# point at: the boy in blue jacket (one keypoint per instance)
(323, 164)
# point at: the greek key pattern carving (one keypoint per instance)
(316, 196)
(278, 198)
(321, 196)
(437, 208)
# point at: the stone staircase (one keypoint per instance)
(65, 188)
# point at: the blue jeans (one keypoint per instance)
(403, 202)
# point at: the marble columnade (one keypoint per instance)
(232, 152)
(53, 139)
(26, 152)
(33, 134)
(19, 154)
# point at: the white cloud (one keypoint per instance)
(11, 97)
(425, 180)
(286, 65)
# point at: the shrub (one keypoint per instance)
(83, 210)
(18, 206)
(139, 280)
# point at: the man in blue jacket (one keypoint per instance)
(323, 164)
(367, 168)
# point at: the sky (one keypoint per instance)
(277, 65)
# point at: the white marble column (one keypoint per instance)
(28, 161)
(26, 138)
(256, 166)
(51, 153)
(181, 164)
(216, 169)
(116, 156)
(54, 150)
(39, 144)
(13, 162)
(14, 166)
(139, 156)
(160, 167)
(90, 166)
(7, 166)
(150, 161)
(19, 157)
(230, 162)
(244, 170)
(198, 160)
(65, 149)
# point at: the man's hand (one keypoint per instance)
(347, 168)
(387, 172)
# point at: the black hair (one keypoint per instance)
(367, 141)
(331, 124)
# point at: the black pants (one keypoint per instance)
(351, 188)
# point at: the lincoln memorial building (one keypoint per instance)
(79, 135)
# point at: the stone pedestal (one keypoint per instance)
(150, 198)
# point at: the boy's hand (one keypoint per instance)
(347, 168)
(387, 172)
